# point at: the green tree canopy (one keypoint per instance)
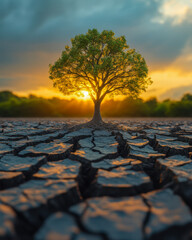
(101, 64)
(6, 95)
(186, 97)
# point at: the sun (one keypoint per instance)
(85, 95)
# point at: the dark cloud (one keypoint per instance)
(47, 25)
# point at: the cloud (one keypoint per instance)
(165, 82)
(34, 32)
(184, 61)
(176, 93)
(29, 23)
(174, 10)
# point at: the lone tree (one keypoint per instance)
(100, 64)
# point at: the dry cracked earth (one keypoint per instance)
(132, 182)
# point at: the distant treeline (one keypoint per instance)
(12, 105)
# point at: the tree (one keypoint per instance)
(186, 97)
(100, 64)
(6, 96)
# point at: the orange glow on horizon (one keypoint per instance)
(51, 92)
(165, 82)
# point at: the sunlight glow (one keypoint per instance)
(85, 95)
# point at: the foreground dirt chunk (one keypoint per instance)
(63, 169)
(58, 226)
(63, 226)
(169, 215)
(34, 193)
(116, 218)
(7, 218)
(122, 181)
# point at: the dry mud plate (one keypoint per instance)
(130, 182)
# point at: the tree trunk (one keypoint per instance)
(97, 114)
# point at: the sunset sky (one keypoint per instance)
(33, 34)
